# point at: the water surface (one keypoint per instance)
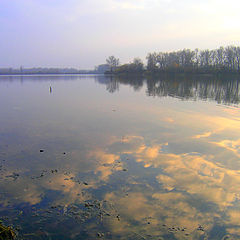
(97, 157)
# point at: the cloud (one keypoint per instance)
(231, 145)
(107, 163)
(191, 172)
(184, 189)
(189, 181)
(169, 120)
(206, 134)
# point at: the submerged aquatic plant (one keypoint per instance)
(6, 233)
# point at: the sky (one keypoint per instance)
(83, 33)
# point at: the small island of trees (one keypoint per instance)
(221, 60)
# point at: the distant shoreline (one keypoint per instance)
(51, 74)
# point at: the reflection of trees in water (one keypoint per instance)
(136, 83)
(112, 83)
(113, 86)
(223, 89)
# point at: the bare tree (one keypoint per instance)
(237, 56)
(220, 56)
(112, 62)
(152, 61)
(230, 57)
(138, 64)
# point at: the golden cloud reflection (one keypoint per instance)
(203, 125)
(163, 190)
(195, 174)
(156, 215)
(64, 178)
(184, 177)
(232, 110)
(169, 120)
(106, 163)
(32, 191)
(22, 191)
(206, 134)
(231, 145)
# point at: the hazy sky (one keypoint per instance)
(83, 33)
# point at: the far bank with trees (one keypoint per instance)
(221, 60)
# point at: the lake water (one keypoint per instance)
(95, 157)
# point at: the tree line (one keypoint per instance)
(223, 59)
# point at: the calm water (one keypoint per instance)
(102, 158)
